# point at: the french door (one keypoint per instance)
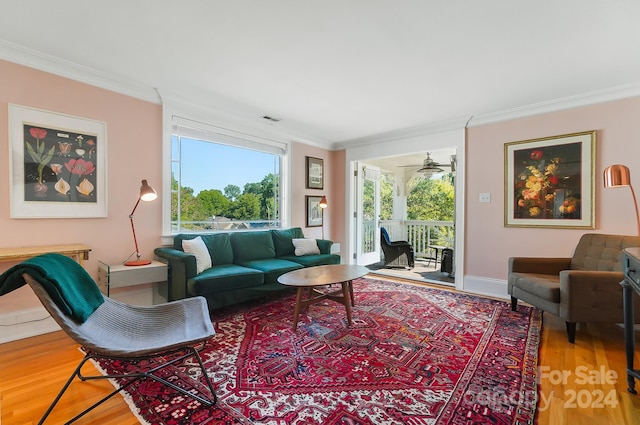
(367, 214)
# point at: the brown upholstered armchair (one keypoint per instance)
(396, 253)
(583, 288)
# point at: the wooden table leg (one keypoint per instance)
(298, 307)
(353, 302)
(346, 299)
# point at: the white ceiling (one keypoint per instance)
(339, 71)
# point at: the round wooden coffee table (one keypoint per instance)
(307, 279)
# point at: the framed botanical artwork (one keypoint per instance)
(57, 165)
(315, 173)
(549, 182)
(314, 212)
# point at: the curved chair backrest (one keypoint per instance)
(118, 329)
(385, 236)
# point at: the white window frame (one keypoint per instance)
(200, 120)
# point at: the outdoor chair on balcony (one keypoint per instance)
(152, 339)
(397, 253)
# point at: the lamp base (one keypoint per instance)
(137, 263)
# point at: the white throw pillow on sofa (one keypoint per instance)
(197, 247)
(305, 247)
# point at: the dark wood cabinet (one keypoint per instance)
(630, 284)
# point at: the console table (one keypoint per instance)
(630, 284)
(78, 252)
(118, 275)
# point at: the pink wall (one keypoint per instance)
(333, 189)
(134, 132)
(337, 218)
(134, 137)
(488, 243)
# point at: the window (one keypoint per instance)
(219, 182)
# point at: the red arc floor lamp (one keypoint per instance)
(147, 193)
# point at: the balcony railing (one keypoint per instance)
(226, 225)
(421, 234)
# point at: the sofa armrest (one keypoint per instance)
(538, 265)
(591, 296)
(324, 245)
(182, 267)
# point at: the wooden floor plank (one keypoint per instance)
(33, 370)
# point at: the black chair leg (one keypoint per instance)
(134, 377)
(514, 304)
(571, 332)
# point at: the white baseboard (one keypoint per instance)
(25, 323)
(485, 286)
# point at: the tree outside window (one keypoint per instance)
(221, 187)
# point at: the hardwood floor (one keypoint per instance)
(581, 383)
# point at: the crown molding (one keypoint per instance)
(555, 105)
(51, 64)
(405, 133)
(47, 63)
(254, 126)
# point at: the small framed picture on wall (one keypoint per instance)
(315, 173)
(314, 212)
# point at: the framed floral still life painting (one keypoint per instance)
(57, 167)
(549, 182)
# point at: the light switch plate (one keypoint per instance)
(485, 197)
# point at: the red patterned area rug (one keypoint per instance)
(413, 355)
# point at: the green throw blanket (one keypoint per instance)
(69, 285)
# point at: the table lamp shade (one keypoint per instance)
(147, 193)
(323, 203)
(617, 176)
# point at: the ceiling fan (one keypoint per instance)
(429, 166)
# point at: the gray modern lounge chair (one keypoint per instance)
(132, 333)
(583, 288)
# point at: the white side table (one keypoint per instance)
(120, 276)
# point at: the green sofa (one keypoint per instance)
(245, 265)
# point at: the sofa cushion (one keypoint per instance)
(177, 239)
(249, 246)
(314, 260)
(199, 250)
(282, 240)
(225, 277)
(544, 286)
(218, 244)
(272, 268)
(324, 245)
(305, 246)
